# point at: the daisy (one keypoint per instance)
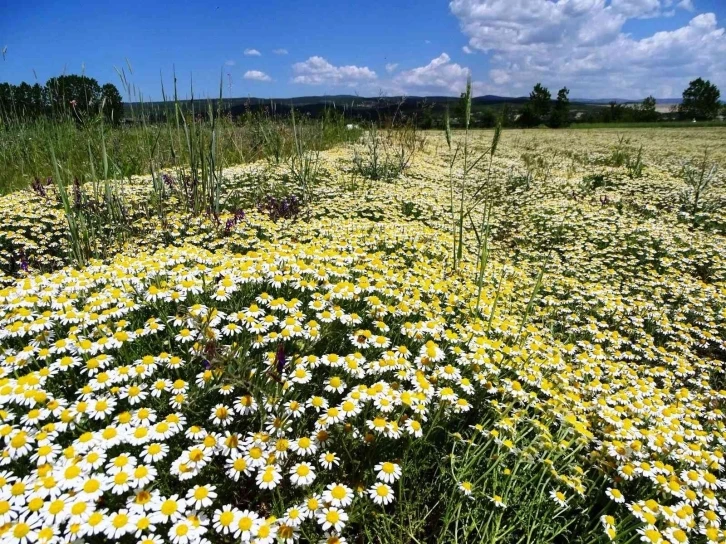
(246, 525)
(294, 409)
(328, 460)
(615, 495)
(92, 487)
(134, 394)
(302, 474)
(294, 516)
(332, 518)
(338, 495)
(388, 472)
(466, 488)
(120, 482)
(303, 446)
(143, 475)
(182, 532)
(101, 408)
(335, 385)
(331, 538)
(237, 465)
(381, 493)
(120, 462)
(201, 496)
(154, 452)
(245, 405)
(24, 531)
(288, 534)
(558, 497)
(311, 506)
(268, 478)
(224, 519)
(221, 415)
(119, 523)
(414, 428)
(266, 531)
(498, 501)
(169, 509)
(7, 514)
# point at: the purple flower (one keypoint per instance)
(280, 359)
(24, 265)
(38, 187)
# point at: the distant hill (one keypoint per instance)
(485, 109)
(354, 107)
(624, 100)
(354, 103)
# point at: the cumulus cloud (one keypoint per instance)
(391, 67)
(581, 44)
(317, 71)
(256, 75)
(252, 53)
(280, 51)
(466, 49)
(438, 75)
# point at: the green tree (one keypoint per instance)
(6, 100)
(700, 100)
(77, 95)
(540, 101)
(647, 111)
(113, 108)
(22, 98)
(561, 112)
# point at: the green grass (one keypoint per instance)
(131, 150)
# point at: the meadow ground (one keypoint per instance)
(312, 359)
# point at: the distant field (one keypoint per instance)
(663, 124)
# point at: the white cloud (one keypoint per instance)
(391, 67)
(466, 49)
(581, 44)
(252, 53)
(438, 75)
(316, 71)
(687, 5)
(280, 51)
(499, 77)
(256, 75)
(229, 63)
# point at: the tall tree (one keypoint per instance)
(647, 111)
(80, 95)
(540, 101)
(6, 100)
(561, 112)
(23, 102)
(700, 100)
(113, 108)
(77, 96)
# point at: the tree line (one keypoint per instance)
(701, 101)
(69, 95)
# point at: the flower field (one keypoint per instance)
(322, 371)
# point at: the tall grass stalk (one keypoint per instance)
(304, 163)
(476, 194)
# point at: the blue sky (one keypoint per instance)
(598, 48)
